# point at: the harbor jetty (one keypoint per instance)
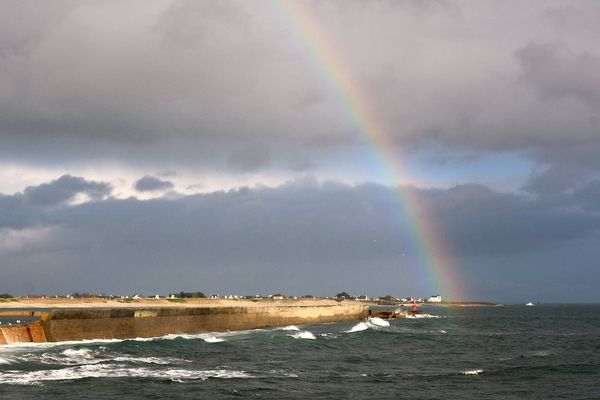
(57, 324)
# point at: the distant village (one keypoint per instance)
(198, 295)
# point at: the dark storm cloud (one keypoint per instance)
(150, 184)
(556, 179)
(301, 236)
(28, 209)
(195, 81)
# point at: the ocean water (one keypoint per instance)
(510, 352)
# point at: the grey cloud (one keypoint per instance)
(64, 189)
(250, 158)
(555, 72)
(299, 163)
(190, 82)
(589, 196)
(34, 206)
(150, 184)
(557, 179)
(298, 237)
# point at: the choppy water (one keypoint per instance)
(507, 352)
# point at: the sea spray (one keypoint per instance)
(303, 335)
(421, 316)
(472, 372)
(288, 328)
(371, 323)
(115, 371)
(378, 321)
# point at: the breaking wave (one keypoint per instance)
(472, 372)
(420, 316)
(371, 323)
(288, 328)
(86, 356)
(115, 371)
(378, 321)
(303, 335)
(5, 361)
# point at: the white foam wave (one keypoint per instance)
(378, 321)
(371, 323)
(115, 371)
(288, 328)
(19, 346)
(146, 360)
(213, 339)
(209, 338)
(361, 326)
(420, 316)
(89, 357)
(66, 357)
(303, 335)
(5, 360)
(11, 347)
(472, 372)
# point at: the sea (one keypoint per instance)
(496, 352)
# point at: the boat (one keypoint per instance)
(530, 304)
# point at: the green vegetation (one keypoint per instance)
(86, 295)
(5, 298)
(177, 300)
(191, 295)
(343, 295)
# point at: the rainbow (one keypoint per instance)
(440, 269)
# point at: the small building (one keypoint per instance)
(435, 299)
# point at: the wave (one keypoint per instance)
(18, 346)
(5, 360)
(420, 316)
(115, 371)
(361, 326)
(148, 360)
(371, 323)
(303, 335)
(472, 372)
(86, 356)
(378, 321)
(288, 328)
(209, 337)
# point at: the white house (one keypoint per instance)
(435, 299)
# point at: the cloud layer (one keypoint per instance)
(300, 237)
(233, 85)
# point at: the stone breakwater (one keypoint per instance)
(55, 325)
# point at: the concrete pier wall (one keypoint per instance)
(122, 323)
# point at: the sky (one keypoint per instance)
(163, 146)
